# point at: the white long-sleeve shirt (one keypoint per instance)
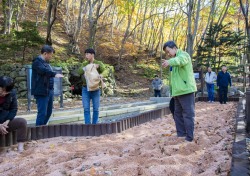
(210, 78)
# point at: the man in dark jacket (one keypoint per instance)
(8, 110)
(157, 85)
(223, 80)
(42, 84)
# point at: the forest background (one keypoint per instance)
(127, 34)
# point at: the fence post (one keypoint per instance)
(248, 108)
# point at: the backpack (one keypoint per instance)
(92, 77)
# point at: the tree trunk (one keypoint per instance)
(143, 24)
(49, 26)
(113, 23)
(126, 34)
(191, 35)
(8, 13)
(93, 19)
(47, 7)
(38, 12)
(209, 22)
(23, 11)
(245, 11)
(136, 21)
(75, 47)
(52, 11)
(4, 7)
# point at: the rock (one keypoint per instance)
(218, 170)
(22, 94)
(109, 91)
(65, 81)
(109, 173)
(84, 167)
(22, 85)
(66, 88)
(200, 171)
(20, 78)
(165, 91)
(97, 164)
(65, 70)
(22, 72)
(140, 171)
(13, 74)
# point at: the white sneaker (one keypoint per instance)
(20, 147)
(212, 101)
(209, 101)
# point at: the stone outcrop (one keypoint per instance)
(19, 74)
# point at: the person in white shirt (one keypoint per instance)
(210, 78)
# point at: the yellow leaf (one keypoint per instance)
(92, 171)
(52, 146)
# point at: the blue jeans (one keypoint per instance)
(86, 97)
(44, 108)
(210, 91)
(184, 115)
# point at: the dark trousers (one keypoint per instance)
(184, 115)
(44, 108)
(20, 125)
(223, 94)
(171, 106)
(157, 93)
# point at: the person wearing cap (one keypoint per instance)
(157, 85)
(42, 84)
(87, 95)
(183, 87)
(8, 111)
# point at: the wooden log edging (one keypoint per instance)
(240, 161)
(50, 131)
(8, 139)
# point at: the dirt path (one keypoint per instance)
(152, 149)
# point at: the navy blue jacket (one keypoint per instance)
(8, 109)
(42, 77)
(223, 79)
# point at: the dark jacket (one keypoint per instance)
(8, 109)
(42, 77)
(223, 79)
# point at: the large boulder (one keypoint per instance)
(166, 91)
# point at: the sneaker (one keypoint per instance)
(212, 101)
(209, 101)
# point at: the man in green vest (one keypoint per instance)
(183, 87)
